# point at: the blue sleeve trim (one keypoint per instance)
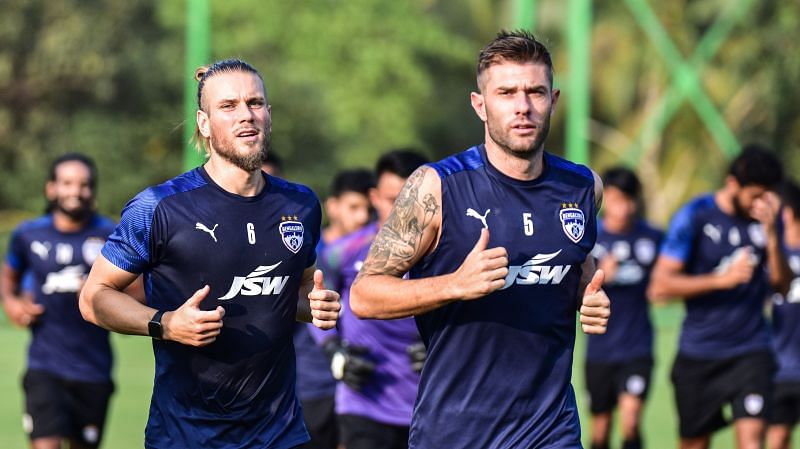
(680, 235)
(569, 166)
(128, 247)
(466, 160)
(15, 258)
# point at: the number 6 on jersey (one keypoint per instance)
(251, 233)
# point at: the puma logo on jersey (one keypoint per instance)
(255, 283)
(205, 229)
(713, 232)
(474, 214)
(68, 280)
(41, 249)
(533, 272)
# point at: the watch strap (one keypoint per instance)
(154, 327)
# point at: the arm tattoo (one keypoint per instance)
(398, 240)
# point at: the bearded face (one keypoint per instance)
(236, 119)
(70, 193)
(248, 156)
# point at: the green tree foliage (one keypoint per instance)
(349, 79)
(91, 76)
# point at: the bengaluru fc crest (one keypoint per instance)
(572, 221)
(292, 233)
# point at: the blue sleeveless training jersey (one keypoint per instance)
(186, 233)
(498, 369)
(630, 332)
(62, 342)
(724, 323)
(786, 325)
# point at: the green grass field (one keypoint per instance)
(134, 373)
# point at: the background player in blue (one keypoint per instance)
(316, 387)
(786, 330)
(497, 316)
(375, 400)
(68, 379)
(619, 362)
(237, 243)
(720, 255)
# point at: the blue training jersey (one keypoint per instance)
(62, 342)
(786, 325)
(723, 323)
(498, 369)
(238, 392)
(630, 332)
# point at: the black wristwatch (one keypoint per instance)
(154, 327)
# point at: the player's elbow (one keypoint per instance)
(86, 304)
(657, 292)
(781, 285)
(359, 304)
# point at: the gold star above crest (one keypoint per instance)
(295, 218)
(283, 218)
(563, 205)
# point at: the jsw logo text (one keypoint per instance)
(256, 284)
(533, 272)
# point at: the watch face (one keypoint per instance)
(154, 327)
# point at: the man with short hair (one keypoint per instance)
(786, 331)
(720, 256)
(619, 362)
(68, 378)
(377, 362)
(497, 242)
(238, 244)
(347, 207)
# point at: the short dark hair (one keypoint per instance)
(358, 180)
(756, 165)
(203, 73)
(401, 162)
(790, 195)
(518, 46)
(623, 179)
(75, 157)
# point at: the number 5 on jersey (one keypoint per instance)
(527, 223)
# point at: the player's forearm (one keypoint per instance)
(780, 274)
(9, 283)
(682, 286)
(114, 310)
(385, 297)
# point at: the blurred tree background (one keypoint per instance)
(349, 79)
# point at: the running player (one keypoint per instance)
(619, 363)
(68, 378)
(374, 401)
(720, 255)
(497, 240)
(237, 243)
(786, 331)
